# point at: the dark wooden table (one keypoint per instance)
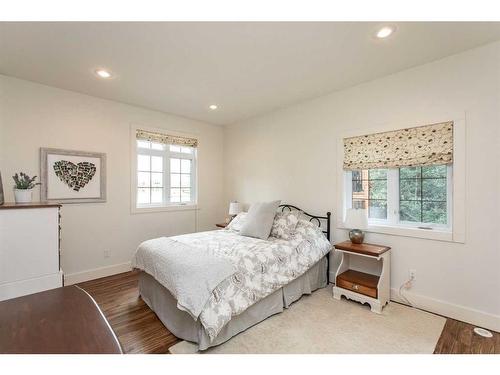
(62, 320)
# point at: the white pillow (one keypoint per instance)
(237, 222)
(259, 220)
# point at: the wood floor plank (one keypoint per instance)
(140, 331)
(137, 327)
(459, 338)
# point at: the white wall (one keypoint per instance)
(34, 116)
(291, 155)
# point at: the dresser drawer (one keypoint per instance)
(359, 282)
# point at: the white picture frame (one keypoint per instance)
(69, 176)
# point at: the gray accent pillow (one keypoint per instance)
(284, 224)
(259, 220)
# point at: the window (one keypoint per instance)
(423, 194)
(369, 191)
(410, 180)
(357, 181)
(166, 174)
(406, 196)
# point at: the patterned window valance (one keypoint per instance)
(423, 145)
(166, 138)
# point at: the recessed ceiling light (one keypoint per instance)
(103, 73)
(213, 107)
(384, 32)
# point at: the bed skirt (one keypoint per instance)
(182, 325)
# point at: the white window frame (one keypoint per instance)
(455, 195)
(393, 202)
(167, 155)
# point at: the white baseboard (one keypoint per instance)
(462, 313)
(96, 273)
(29, 286)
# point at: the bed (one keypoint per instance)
(213, 285)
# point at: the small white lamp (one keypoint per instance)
(234, 209)
(356, 219)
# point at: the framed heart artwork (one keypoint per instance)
(69, 176)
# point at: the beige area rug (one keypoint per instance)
(320, 324)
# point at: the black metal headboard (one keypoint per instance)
(317, 219)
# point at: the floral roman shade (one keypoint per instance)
(423, 145)
(166, 138)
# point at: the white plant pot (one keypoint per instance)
(23, 195)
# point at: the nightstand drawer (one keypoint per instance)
(357, 288)
(358, 282)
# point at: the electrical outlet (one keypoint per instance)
(413, 274)
(107, 253)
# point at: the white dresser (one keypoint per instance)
(29, 249)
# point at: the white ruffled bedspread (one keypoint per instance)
(260, 267)
(189, 273)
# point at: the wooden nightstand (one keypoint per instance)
(364, 274)
(221, 225)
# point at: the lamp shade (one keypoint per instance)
(235, 208)
(356, 218)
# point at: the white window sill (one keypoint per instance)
(429, 234)
(169, 208)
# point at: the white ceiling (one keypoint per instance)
(245, 68)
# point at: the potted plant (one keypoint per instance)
(23, 187)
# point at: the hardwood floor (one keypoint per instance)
(137, 327)
(140, 331)
(458, 338)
